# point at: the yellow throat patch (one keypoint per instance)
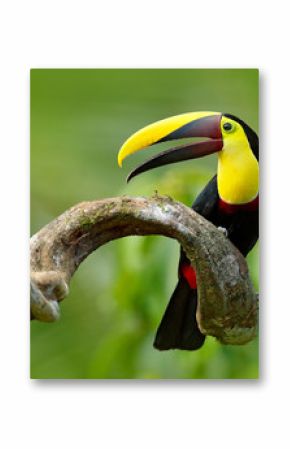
(238, 169)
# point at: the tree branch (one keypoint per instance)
(228, 305)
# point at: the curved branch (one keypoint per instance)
(228, 305)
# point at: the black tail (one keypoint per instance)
(178, 328)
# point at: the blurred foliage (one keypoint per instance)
(79, 119)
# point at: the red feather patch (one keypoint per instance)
(189, 274)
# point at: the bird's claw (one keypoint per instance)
(223, 230)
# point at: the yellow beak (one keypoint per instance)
(176, 127)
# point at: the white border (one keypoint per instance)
(144, 414)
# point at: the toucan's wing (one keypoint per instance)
(206, 202)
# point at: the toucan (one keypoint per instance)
(230, 201)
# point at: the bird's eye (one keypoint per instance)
(228, 126)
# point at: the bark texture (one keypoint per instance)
(228, 305)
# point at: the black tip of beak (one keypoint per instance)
(178, 154)
(129, 177)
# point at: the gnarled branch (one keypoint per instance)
(228, 305)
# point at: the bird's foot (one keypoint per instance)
(223, 230)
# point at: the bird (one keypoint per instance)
(230, 201)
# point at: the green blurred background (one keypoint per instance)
(79, 119)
